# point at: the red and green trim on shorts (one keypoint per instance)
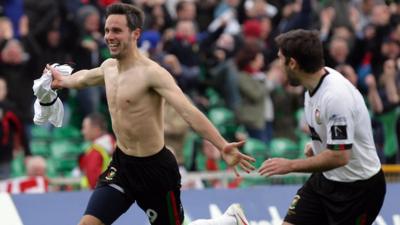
(340, 147)
(173, 210)
(362, 219)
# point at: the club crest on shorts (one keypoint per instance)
(293, 205)
(318, 117)
(111, 173)
(152, 214)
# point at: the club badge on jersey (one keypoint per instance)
(318, 117)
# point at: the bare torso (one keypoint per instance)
(136, 109)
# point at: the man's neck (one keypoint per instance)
(312, 80)
(133, 57)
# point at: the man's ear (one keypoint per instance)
(136, 33)
(292, 63)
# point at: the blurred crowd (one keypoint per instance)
(222, 55)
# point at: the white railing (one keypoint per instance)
(224, 176)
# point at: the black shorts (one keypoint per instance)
(153, 182)
(322, 201)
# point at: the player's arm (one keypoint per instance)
(165, 85)
(340, 134)
(326, 160)
(79, 79)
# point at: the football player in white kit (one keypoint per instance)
(347, 185)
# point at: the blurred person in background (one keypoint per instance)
(175, 132)
(101, 146)
(226, 12)
(15, 67)
(222, 71)
(338, 52)
(12, 134)
(6, 31)
(91, 51)
(185, 46)
(189, 46)
(252, 89)
(273, 80)
(34, 182)
(295, 14)
(42, 15)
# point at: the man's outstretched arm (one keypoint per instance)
(79, 79)
(164, 84)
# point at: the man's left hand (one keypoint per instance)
(233, 157)
(275, 166)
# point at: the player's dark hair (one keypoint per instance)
(134, 15)
(304, 46)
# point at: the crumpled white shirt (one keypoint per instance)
(44, 110)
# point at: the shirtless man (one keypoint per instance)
(142, 169)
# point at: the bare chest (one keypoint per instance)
(125, 89)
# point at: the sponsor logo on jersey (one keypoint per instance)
(339, 132)
(318, 117)
(111, 173)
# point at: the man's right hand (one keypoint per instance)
(58, 79)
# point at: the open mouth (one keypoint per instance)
(113, 46)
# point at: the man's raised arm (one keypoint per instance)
(79, 79)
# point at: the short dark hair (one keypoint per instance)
(304, 46)
(181, 5)
(98, 120)
(247, 53)
(134, 15)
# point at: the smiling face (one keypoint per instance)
(118, 36)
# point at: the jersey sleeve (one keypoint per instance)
(339, 123)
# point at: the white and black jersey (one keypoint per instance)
(339, 120)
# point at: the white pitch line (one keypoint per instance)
(8, 212)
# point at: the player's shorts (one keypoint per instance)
(153, 182)
(323, 201)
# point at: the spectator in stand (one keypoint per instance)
(90, 52)
(35, 180)
(6, 31)
(12, 133)
(338, 52)
(42, 15)
(175, 132)
(389, 92)
(15, 69)
(226, 12)
(97, 155)
(295, 14)
(259, 8)
(273, 80)
(222, 71)
(186, 10)
(187, 46)
(156, 13)
(252, 88)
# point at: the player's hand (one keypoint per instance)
(308, 152)
(57, 78)
(233, 157)
(275, 166)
